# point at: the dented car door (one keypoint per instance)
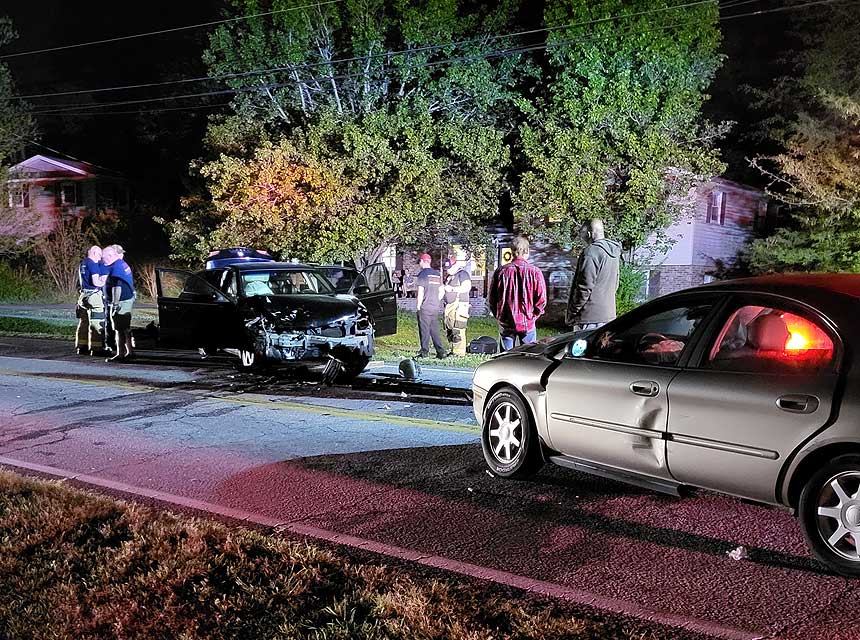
(373, 287)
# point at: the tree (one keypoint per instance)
(616, 131)
(18, 228)
(818, 172)
(378, 143)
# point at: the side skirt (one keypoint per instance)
(655, 484)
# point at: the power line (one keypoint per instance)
(378, 55)
(63, 109)
(164, 31)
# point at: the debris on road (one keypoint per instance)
(739, 553)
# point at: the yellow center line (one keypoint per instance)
(257, 400)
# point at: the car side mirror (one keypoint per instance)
(361, 290)
(577, 348)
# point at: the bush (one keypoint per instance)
(20, 285)
(630, 284)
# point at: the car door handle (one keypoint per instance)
(798, 403)
(646, 388)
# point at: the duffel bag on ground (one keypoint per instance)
(483, 344)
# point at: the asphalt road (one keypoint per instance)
(402, 466)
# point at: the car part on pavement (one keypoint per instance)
(410, 369)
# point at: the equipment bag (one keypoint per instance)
(483, 344)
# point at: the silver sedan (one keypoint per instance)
(745, 387)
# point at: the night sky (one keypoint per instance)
(155, 149)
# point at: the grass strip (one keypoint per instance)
(79, 565)
(31, 327)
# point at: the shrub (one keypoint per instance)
(631, 281)
(20, 285)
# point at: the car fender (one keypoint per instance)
(526, 378)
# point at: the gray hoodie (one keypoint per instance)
(592, 294)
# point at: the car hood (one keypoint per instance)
(304, 310)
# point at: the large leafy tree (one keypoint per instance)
(364, 133)
(817, 174)
(616, 131)
(18, 228)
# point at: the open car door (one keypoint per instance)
(373, 288)
(191, 312)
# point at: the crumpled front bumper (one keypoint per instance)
(302, 346)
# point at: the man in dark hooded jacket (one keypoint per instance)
(592, 294)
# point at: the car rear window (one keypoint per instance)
(765, 339)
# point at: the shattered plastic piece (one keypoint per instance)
(470, 490)
(490, 473)
(738, 554)
(386, 407)
(403, 394)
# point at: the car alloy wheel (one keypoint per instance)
(829, 512)
(508, 437)
(839, 514)
(506, 433)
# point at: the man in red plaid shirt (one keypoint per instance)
(517, 297)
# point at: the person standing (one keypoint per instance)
(429, 307)
(458, 284)
(591, 303)
(90, 309)
(517, 297)
(120, 292)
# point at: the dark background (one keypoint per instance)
(154, 148)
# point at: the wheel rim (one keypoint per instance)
(506, 432)
(247, 358)
(839, 514)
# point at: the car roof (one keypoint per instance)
(846, 284)
(271, 265)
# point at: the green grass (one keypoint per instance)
(77, 565)
(32, 327)
(405, 344)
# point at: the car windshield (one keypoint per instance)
(284, 282)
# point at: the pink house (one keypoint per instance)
(56, 187)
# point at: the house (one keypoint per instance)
(57, 187)
(725, 217)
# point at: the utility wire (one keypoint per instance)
(67, 109)
(163, 31)
(479, 40)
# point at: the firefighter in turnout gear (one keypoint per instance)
(90, 309)
(458, 285)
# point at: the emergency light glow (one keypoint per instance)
(797, 342)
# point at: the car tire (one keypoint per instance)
(508, 437)
(829, 513)
(352, 369)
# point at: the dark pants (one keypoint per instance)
(428, 329)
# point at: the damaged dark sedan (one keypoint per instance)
(266, 312)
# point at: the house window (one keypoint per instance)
(19, 197)
(69, 193)
(717, 208)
